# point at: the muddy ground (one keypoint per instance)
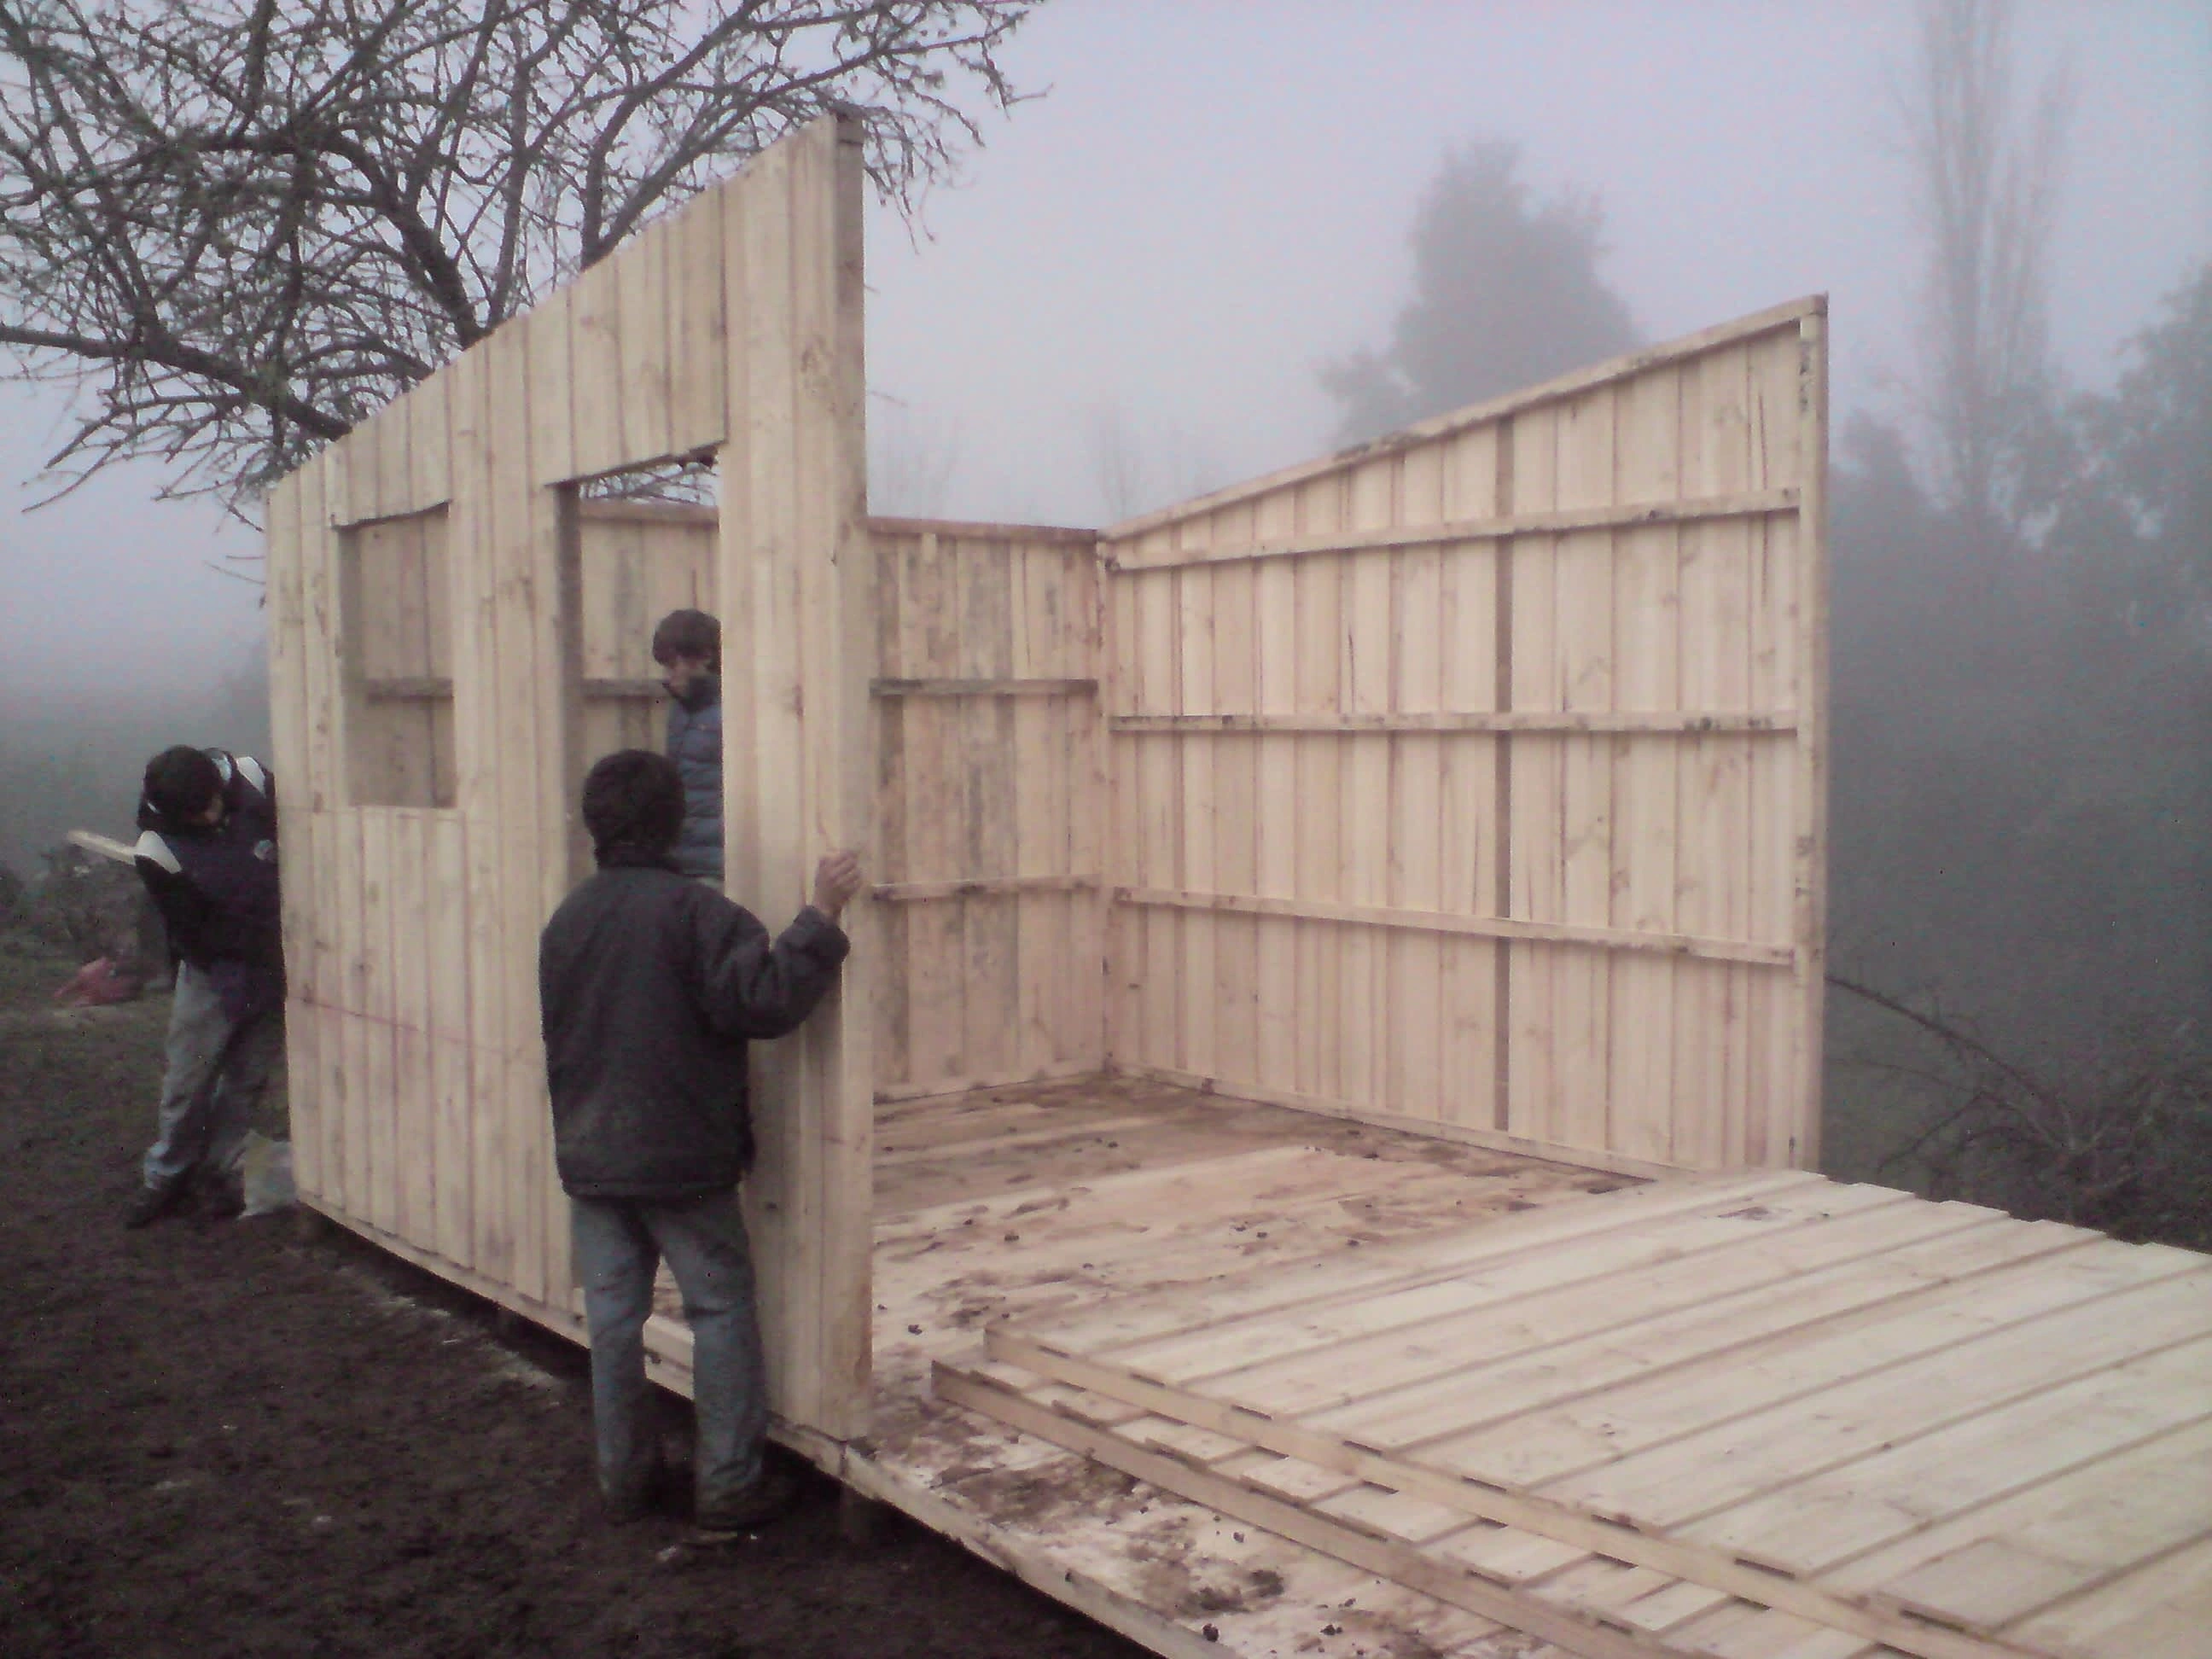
(216, 1440)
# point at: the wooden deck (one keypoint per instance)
(1231, 1378)
(1014, 1204)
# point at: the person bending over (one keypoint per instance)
(651, 987)
(207, 853)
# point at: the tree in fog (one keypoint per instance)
(1506, 293)
(1986, 176)
(241, 226)
(1137, 468)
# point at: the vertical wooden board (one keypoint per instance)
(377, 1011)
(1468, 465)
(1470, 833)
(480, 741)
(1768, 1010)
(1276, 827)
(990, 924)
(1371, 501)
(428, 454)
(1195, 816)
(936, 981)
(610, 585)
(1412, 1001)
(1040, 771)
(1581, 984)
(414, 1142)
(1810, 836)
(1587, 440)
(642, 312)
(356, 1151)
(1647, 603)
(1318, 821)
(446, 953)
(326, 647)
(1713, 788)
(523, 582)
(838, 622)
(395, 457)
(1087, 807)
(332, 1089)
(596, 390)
(1533, 676)
(1776, 391)
(698, 354)
(288, 724)
(1235, 827)
(760, 551)
(1159, 819)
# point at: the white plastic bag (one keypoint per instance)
(265, 1167)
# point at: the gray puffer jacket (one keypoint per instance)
(694, 743)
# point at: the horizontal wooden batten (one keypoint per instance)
(947, 1088)
(1625, 722)
(993, 687)
(431, 689)
(1696, 511)
(1435, 921)
(1023, 535)
(913, 892)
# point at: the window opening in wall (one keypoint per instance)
(396, 610)
(645, 541)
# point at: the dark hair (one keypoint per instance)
(688, 634)
(634, 800)
(181, 781)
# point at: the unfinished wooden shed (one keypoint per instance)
(1272, 896)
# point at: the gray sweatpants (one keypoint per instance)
(217, 1070)
(619, 1242)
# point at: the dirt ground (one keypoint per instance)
(216, 1440)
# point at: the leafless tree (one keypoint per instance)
(1986, 176)
(1139, 468)
(2122, 1141)
(912, 460)
(236, 227)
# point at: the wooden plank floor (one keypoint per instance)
(1729, 1417)
(1010, 1205)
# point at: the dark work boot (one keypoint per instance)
(767, 1498)
(152, 1204)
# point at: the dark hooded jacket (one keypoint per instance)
(215, 886)
(650, 986)
(694, 743)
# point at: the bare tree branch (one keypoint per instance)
(236, 227)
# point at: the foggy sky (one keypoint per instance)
(1214, 198)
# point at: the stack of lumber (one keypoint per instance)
(1758, 1417)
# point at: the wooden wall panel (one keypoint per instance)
(798, 756)
(986, 787)
(1530, 701)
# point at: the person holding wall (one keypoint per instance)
(207, 853)
(687, 645)
(651, 987)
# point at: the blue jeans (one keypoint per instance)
(217, 1070)
(619, 1243)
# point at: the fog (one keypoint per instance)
(1128, 295)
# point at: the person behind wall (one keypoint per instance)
(207, 855)
(687, 645)
(651, 985)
